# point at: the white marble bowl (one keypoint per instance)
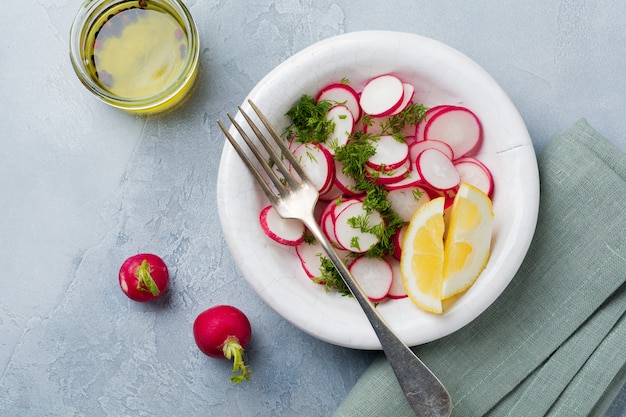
(441, 75)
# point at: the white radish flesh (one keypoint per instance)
(398, 240)
(416, 148)
(309, 255)
(353, 228)
(474, 172)
(390, 153)
(410, 179)
(458, 127)
(318, 165)
(343, 122)
(346, 183)
(342, 94)
(406, 201)
(382, 95)
(385, 177)
(419, 131)
(437, 170)
(396, 290)
(374, 276)
(408, 93)
(289, 232)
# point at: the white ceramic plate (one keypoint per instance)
(441, 75)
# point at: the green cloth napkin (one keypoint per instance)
(554, 343)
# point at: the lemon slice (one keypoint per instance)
(422, 260)
(467, 240)
(443, 258)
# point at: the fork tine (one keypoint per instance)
(257, 175)
(276, 158)
(288, 154)
(260, 157)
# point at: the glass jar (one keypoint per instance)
(140, 56)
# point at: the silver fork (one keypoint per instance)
(295, 199)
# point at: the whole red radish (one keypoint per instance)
(143, 277)
(224, 332)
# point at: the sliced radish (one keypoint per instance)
(417, 148)
(437, 170)
(396, 290)
(410, 179)
(398, 240)
(390, 153)
(342, 94)
(458, 127)
(474, 172)
(337, 209)
(346, 183)
(332, 193)
(406, 201)
(318, 164)
(382, 95)
(343, 122)
(409, 91)
(385, 177)
(288, 232)
(353, 228)
(309, 255)
(419, 131)
(374, 275)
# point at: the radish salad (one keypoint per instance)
(375, 157)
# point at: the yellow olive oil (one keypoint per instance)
(138, 50)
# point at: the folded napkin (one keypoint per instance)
(554, 343)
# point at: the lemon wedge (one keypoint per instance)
(422, 260)
(467, 240)
(440, 258)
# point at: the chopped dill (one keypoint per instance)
(309, 122)
(330, 278)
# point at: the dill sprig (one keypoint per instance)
(309, 122)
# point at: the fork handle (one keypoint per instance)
(424, 392)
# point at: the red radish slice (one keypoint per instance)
(332, 193)
(343, 120)
(474, 172)
(419, 131)
(382, 95)
(384, 177)
(374, 276)
(353, 228)
(338, 207)
(458, 127)
(409, 91)
(437, 170)
(342, 94)
(318, 164)
(390, 153)
(396, 291)
(309, 255)
(346, 183)
(417, 148)
(398, 240)
(288, 232)
(406, 201)
(410, 179)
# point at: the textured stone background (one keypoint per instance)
(83, 186)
